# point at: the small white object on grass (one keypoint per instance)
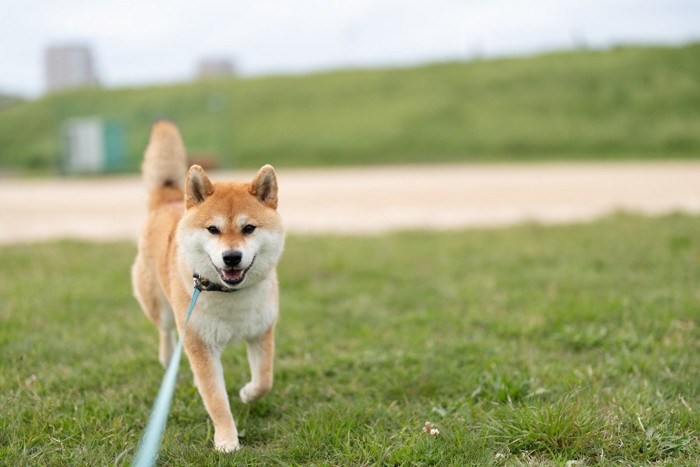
(430, 429)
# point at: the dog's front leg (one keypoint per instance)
(209, 377)
(261, 353)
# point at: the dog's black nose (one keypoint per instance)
(232, 257)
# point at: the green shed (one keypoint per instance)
(92, 145)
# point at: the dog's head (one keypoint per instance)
(231, 233)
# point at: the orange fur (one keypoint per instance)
(178, 240)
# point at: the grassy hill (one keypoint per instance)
(7, 100)
(631, 102)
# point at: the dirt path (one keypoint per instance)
(370, 200)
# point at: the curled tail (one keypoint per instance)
(164, 165)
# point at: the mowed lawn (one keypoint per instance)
(530, 345)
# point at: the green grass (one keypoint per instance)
(529, 345)
(634, 102)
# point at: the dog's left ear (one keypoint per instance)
(264, 186)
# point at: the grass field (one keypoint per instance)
(635, 102)
(529, 345)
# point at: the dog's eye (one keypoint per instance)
(214, 230)
(249, 229)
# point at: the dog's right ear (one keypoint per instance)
(198, 187)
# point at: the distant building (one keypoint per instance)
(215, 68)
(69, 67)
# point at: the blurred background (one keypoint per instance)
(314, 83)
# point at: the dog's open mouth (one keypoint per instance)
(232, 276)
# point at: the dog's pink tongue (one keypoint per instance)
(233, 274)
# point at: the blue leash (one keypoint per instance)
(149, 445)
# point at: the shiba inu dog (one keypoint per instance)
(230, 236)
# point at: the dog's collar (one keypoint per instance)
(205, 285)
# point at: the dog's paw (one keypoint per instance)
(246, 394)
(227, 446)
(251, 392)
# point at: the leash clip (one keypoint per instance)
(200, 283)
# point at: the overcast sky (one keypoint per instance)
(137, 42)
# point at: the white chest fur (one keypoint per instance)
(220, 318)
